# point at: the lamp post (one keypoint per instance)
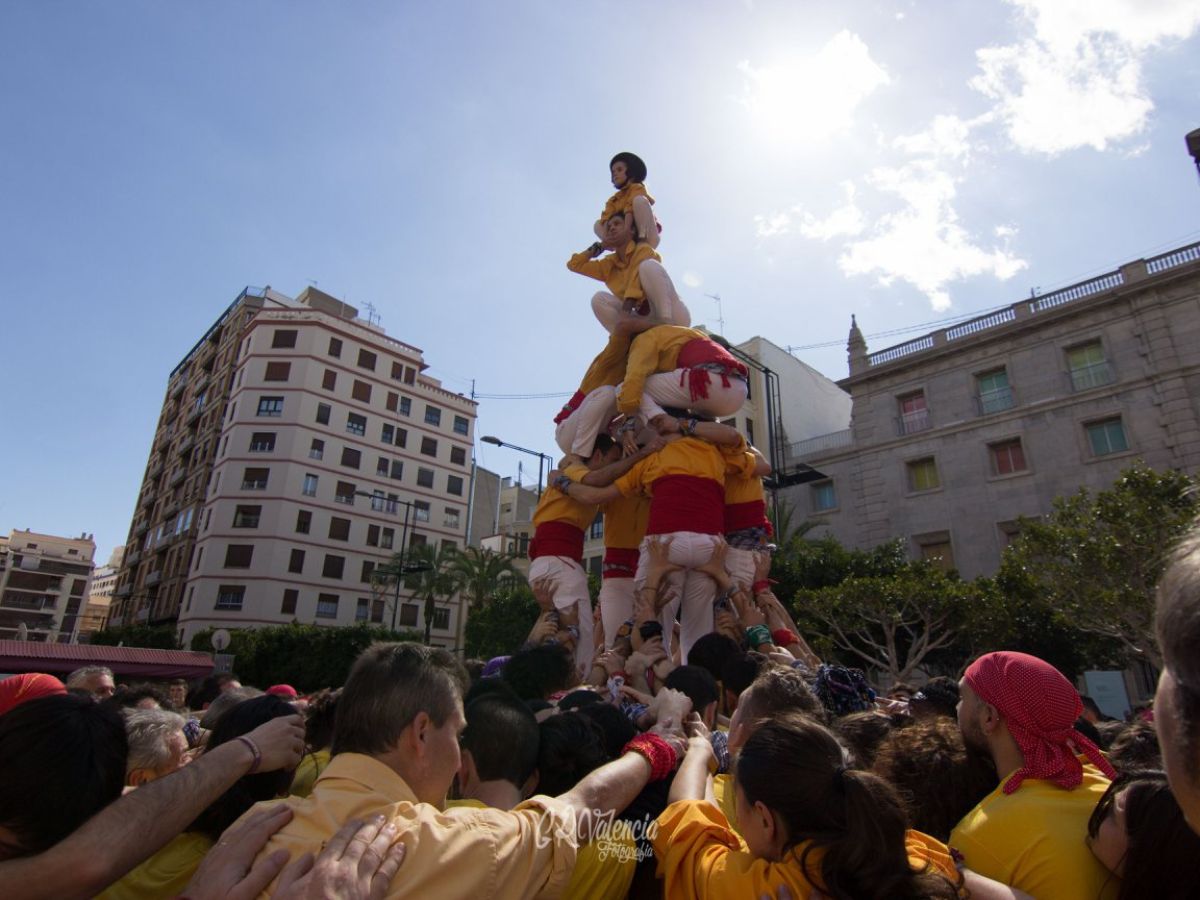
(542, 457)
(405, 568)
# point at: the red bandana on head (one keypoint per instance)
(1039, 707)
(21, 688)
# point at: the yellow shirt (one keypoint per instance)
(1034, 839)
(165, 874)
(608, 368)
(484, 853)
(625, 522)
(622, 200)
(656, 350)
(686, 456)
(620, 275)
(726, 799)
(310, 768)
(741, 484)
(555, 506)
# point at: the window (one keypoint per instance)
(377, 611)
(433, 415)
(596, 531)
(351, 458)
(387, 538)
(393, 401)
(262, 442)
(425, 478)
(230, 596)
(255, 479)
(356, 424)
(339, 529)
(238, 556)
(923, 475)
(408, 615)
(405, 406)
(448, 545)
(323, 411)
(317, 450)
(387, 433)
(401, 437)
(461, 425)
(303, 521)
(372, 535)
(270, 406)
(368, 569)
(410, 375)
(453, 517)
(277, 371)
(1087, 366)
(362, 610)
(361, 391)
(938, 552)
(994, 393)
(334, 566)
(441, 618)
(335, 347)
(296, 560)
(397, 471)
(345, 493)
(366, 360)
(1007, 457)
(329, 380)
(381, 468)
(397, 370)
(458, 456)
(824, 497)
(283, 338)
(246, 516)
(914, 415)
(327, 605)
(428, 446)
(421, 510)
(454, 485)
(1107, 436)
(288, 606)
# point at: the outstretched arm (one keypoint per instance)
(585, 263)
(606, 475)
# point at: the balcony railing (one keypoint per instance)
(177, 478)
(1092, 376)
(123, 591)
(132, 559)
(912, 422)
(185, 445)
(995, 401)
(141, 528)
(153, 578)
(819, 444)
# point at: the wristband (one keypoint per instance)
(656, 751)
(254, 750)
(761, 587)
(630, 424)
(784, 637)
(562, 482)
(690, 428)
(757, 635)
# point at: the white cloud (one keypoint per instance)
(1076, 79)
(692, 280)
(946, 136)
(809, 97)
(846, 220)
(772, 224)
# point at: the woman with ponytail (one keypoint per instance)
(809, 824)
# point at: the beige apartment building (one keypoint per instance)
(44, 581)
(324, 449)
(958, 433)
(100, 595)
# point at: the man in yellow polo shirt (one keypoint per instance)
(1031, 832)
(671, 366)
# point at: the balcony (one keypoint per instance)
(142, 614)
(202, 382)
(177, 477)
(132, 559)
(177, 388)
(155, 468)
(141, 528)
(995, 401)
(148, 497)
(1091, 376)
(153, 578)
(912, 422)
(196, 413)
(170, 507)
(123, 591)
(186, 445)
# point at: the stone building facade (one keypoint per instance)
(44, 583)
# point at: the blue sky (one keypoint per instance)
(907, 162)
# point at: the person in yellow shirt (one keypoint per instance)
(318, 735)
(396, 752)
(631, 199)
(681, 368)
(747, 527)
(1031, 831)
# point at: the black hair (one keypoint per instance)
(650, 630)
(604, 443)
(1162, 860)
(578, 699)
(571, 745)
(249, 789)
(319, 718)
(862, 733)
(63, 759)
(1136, 747)
(618, 730)
(635, 169)
(502, 735)
(739, 671)
(1088, 730)
(128, 696)
(697, 683)
(712, 651)
(539, 671)
(487, 687)
(206, 691)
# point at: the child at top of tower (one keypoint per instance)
(628, 177)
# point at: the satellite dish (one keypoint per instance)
(220, 639)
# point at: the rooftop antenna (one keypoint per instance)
(312, 281)
(720, 314)
(372, 313)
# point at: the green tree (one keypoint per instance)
(429, 574)
(499, 627)
(1096, 559)
(480, 574)
(155, 637)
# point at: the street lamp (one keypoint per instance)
(542, 457)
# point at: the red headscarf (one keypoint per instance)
(1039, 707)
(21, 688)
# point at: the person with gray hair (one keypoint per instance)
(96, 680)
(157, 745)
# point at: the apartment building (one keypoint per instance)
(958, 433)
(100, 595)
(44, 581)
(328, 451)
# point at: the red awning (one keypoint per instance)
(126, 662)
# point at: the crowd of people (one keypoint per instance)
(677, 738)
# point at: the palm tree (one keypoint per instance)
(429, 576)
(480, 572)
(788, 531)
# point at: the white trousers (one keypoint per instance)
(616, 605)
(570, 589)
(577, 432)
(740, 565)
(659, 290)
(695, 591)
(664, 389)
